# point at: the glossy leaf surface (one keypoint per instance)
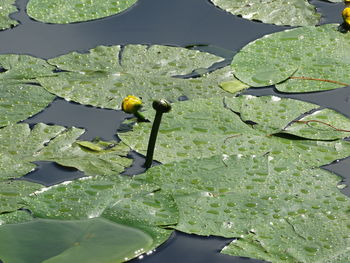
(63, 12)
(297, 60)
(105, 75)
(283, 12)
(7, 7)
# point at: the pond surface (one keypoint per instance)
(166, 22)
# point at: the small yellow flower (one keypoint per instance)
(346, 16)
(131, 104)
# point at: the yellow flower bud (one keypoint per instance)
(131, 104)
(346, 16)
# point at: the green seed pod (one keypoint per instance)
(162, 105)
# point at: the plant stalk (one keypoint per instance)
(152, 139)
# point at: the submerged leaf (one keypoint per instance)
(63, 12)
(297, 60)
(274, 207)
(294, 13)
(151, 72)
(7, 7)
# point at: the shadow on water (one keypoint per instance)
(167, 22)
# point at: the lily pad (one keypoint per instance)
(106, 75)
(11, 194)
(323, 124)
(89, 240)
(21, 146)
(19, 101)
(119, 199)
(7, 7)
(63, 12)
(187, 126)
(294, 212)
(297, 60)
(294, 13)
(19, 216)
(281, 115)
(21, 96)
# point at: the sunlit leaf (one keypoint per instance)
(11, 194)
(7, 7)
(119, 199)
(297, 60)
(105, 75)
(206, 127)
(273, 115)
(63, 12)
(275, 207)
(294, 13)
(19, 101)
(18, 216)
(21, 96)
(21, 146)
(89, 240)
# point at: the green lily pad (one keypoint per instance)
(187, 126)
(323, 124)
(7, 7)
(63, 12)
(23, 68)
(21, 146)
(11, 194)
(19, 216)
(297, 60)
(276, 210)
(119, 199)
(21, 97)
(100, 79)
(19, 101)
(89, 240)
(294, 13)
(281, 115)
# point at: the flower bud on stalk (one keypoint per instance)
(132, 104)
(345, 27)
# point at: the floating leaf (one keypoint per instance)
(21, 146)
(21, 97)
(270, 113)
(63, 12)
(100, 79)
(187, 126)
(294, 13)
(18, 216)
(318, 55)
(19, 101)
(119, 199)
(89, 240)
(281, 115)
(287, 210)
(23, 68)
(323, 124)
(11, 194)
(7, 7)
(233, 86)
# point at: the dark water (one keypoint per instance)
(167, 22)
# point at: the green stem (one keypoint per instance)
(140, 117)
(152, 139)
